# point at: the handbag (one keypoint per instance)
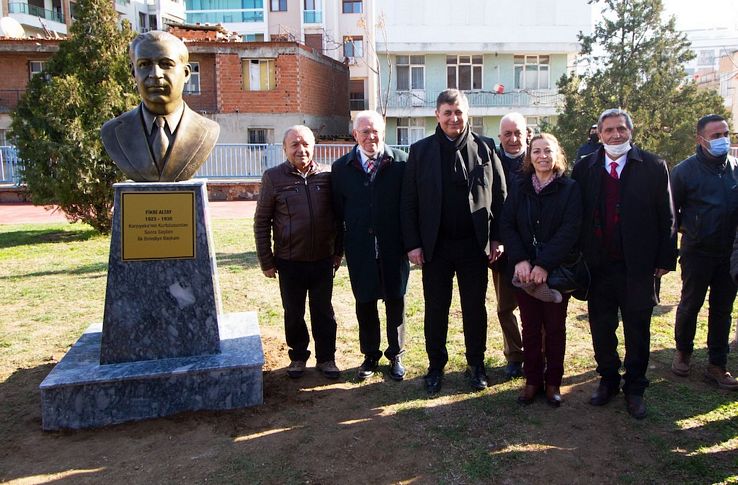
(571, 276)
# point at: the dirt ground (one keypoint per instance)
(317, 431)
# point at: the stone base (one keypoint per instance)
(81, 393)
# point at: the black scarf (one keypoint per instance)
(463, 150)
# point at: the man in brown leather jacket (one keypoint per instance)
(295, 207)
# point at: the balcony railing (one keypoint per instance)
(478, 99)
(21, 7)
(358, 104)
(9, 99)
(313, 16)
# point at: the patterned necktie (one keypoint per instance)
(370, 165)
(160, 143)
(614, 170)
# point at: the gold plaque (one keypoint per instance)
(157, 225)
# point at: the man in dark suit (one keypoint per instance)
(452, 197)
(162, 139)
(629, 241)
(366, 185)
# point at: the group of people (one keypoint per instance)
(458, 205)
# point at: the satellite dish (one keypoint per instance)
(9, 27)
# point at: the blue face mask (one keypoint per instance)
(719, 147)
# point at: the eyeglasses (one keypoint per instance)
(368, 132)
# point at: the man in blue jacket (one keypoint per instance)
(706, 201)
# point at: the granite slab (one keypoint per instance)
(80, 392)
(164, 306)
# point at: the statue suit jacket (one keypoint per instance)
(126, 142)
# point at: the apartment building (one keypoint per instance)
(52, 18)
(506, 56)
(341, 29)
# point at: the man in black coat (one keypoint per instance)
(629, 241)
(452, 197)
(366, 185)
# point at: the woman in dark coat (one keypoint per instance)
(540, 227)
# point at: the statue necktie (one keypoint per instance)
(160, 144)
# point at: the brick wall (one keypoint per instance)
(206, 100)
(305, 82)
(15, 56)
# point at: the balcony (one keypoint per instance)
(403, 100)
(313, 16)
(34, 11)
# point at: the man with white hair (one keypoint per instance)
(295, 208)
(366, 185)
(513, 144)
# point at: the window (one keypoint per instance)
(36, 67)
(410, 72)
(142, 21)
(476, 123)
(464, 72)
(313, 13)
(152, 22)
(258, 74)
(356, 94)
(260, 136)
(278, 5)
(221, 11)
(352, 6)
(410, 130)
(253, 38)
(706, 57)
(193, 85)
(532, 72)
(353, 47)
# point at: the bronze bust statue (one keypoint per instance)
(162, 139)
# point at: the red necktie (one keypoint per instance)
(614, 170)
(370, 165)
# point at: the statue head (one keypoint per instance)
(160, 64)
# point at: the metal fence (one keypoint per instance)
(226, 161)
(9, 165)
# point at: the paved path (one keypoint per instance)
(29, 214)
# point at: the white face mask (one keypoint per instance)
(618, 150)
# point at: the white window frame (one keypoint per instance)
(357, 46)
(35, 67)
(527, 65)
(475, 63)
(413, 64)
(192, 87)
(410, 130)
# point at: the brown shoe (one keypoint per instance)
(528, 394)
(553, 396)
(680, 364)
(635, 405)
(721, 377)
(329, 369)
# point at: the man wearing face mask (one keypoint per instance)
(593, 144)
(629, 242)
(706, 202)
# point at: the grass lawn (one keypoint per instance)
(52, 286)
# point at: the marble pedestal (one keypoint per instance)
(82, 393)
(164, 346)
